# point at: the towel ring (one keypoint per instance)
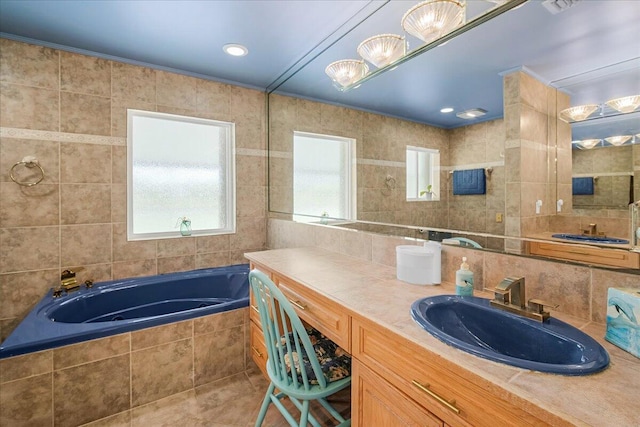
(29, 162)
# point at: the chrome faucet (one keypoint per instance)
(509, 295)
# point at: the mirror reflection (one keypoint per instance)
(520, 150)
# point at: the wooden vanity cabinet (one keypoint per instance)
(588, 254)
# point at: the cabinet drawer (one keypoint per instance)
(258, 348)
(254, 314)
(591, 255)
(425, 378)
(318, 311)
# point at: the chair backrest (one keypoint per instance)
(279, 321)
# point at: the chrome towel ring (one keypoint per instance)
(29, 162)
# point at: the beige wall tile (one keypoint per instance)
(28, 64)
(119, 203)
(213, 97)
(251, 201)
(124, 250)
(219, 321)
(122, 419)
(133, 83)
(213, 259)
(176, 247)
(7, 326)
(161, 371)
(28, 365)
(85, 114)
(218, 355)
(219, 243)
(85, 74)
(172, 264)
(75, 210)
(118, 165)
(251, 171)
(176, 90)
(28, 206)
(119, 113)
(179, 409)
(19, 292)
(150, 337)
(91, 351)
(29, 248)
(85, 244)
(14, 150)
(145, 267)
(250, 233)
(27, 402)
(111, 397)
(28, 108)
(85, 163)
(603, 280)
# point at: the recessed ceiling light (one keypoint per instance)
(446, 110)
(235, 49)
(471, 113)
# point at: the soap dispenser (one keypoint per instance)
(464, 279)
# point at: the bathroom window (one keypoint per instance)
(423, 174)
(179, 169)
(323, 178)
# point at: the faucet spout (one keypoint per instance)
(514, 291)
(510, 296)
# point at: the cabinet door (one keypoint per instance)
(375, 402)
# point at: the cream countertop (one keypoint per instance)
(608, 398)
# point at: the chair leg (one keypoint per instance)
(265, 405)
(304, 413)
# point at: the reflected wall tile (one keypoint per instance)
(28, 206)
(27, 402)
(119, 113)
(175, 90)
(28, 365)
(219, 321)
(161, 371)
(29, 248)
(91, 351)
(28, 64)
(308, 115)
(85, 244)
(12, 150)
(19, 292)
(111, 397)
(145, 267)
(75, 209)
(213, 259)
(150, 337)
(85, 163)
(217, 243)
(86, 114)
(173, 264)
(212, 97)
(28, 108)
(133, 83)
(176, 247)
(218, 355)
(85, 74)
(124, 250)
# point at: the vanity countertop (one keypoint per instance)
(371, 291)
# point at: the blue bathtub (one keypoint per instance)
(119, 306)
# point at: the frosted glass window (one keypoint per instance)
(179, 167)
(423, 174)
(323, 181)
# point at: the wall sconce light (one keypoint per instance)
(579, 113)
(625, 104)
(589, 143)
(618, 139)
(346, 71)
(432, 19)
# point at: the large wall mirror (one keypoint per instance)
(520, 149)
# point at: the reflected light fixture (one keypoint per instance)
(346, 71)
(589, 143)
(579, 113)
(432, 19)
(471, 113)
(618, 139)
(383, 49)
(626, 104)
(235, 49)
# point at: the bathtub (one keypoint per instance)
(118, 306)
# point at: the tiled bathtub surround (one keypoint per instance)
(69, 111)
(84, 382)
(580, 291)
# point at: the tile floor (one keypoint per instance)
(231, 402)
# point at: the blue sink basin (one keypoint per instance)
(591, 239)
(473, 325)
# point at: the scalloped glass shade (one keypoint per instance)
(625, 104)
(347, 71)
(432, 19)
(618, 139)
(589, 143)
(579, 113)
(383, 49)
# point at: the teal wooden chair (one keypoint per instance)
(467, 242)
(302, 364)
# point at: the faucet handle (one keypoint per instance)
(537, 305)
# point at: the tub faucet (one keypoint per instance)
(509, 295)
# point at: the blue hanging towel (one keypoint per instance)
(470, 181)
(582, 186)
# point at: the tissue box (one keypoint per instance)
(623, 316)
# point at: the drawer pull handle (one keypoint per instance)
(298, 304)
(255, 308)
(425, 388)
(256, 351)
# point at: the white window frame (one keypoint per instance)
(230, 190)
(434, 157)
(350, 181)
